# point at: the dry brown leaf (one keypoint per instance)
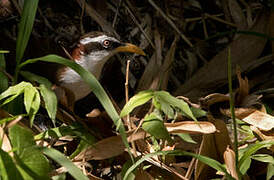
(214, 74)
(264, 135)
(104, 149)
(237, 14)
(213, 146)
(260, 120)
(166, 67)
(109, 147)
(243, 89)
(191, 127)
(94, 113)
(214, 98)
(6, 145)
(229, 158)
(150, 78)
(98, 18)
(240, 113)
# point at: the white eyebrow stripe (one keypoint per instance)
(97, 39)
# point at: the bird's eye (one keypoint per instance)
(106, 43)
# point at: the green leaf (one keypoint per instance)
(245, 166)
(253, 149)
(31, 162)
(165, 97)
(270, 171)
(94, 85)
(263, 158)
(20, 138)
(186, 137)
(65, 162)
(33, 77)
(155, 126)
(31, 101)
(13, 91)
(167, 109)
(8, 170)
(137, 100)
(25, 27)
(210, 162)
(29, 94)
(50, 101)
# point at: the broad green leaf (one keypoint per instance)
(29, 93)
(33, 77)
(25, 28)
(263, 158)
(50, 101)
(253, 149)
(31, 162)
(34, 107)
(137, 100)
(155, 126)
(20, 138)
(94, 85)
(165, 97)
(14, 90)
(186, 137)
(8, 170)
(31, 101)
(65, 162)
(167, 109)
(245, 166)
(210, 162)
(270, 171)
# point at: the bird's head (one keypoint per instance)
(99, 46)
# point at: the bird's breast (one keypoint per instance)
(71, 80)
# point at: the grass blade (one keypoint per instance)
(65, 162)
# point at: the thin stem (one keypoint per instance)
(128, 117)
(229, 69)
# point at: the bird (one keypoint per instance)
(92, 52)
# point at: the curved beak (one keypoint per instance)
(127, 47)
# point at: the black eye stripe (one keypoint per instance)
(96, 46)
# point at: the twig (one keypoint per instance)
(128, 117)
(190, 168)
(116, 13)
(139, 25)
(81, 18)
(204, 27)
(220, 20)
(170, 22)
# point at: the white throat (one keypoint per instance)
(94, 63)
